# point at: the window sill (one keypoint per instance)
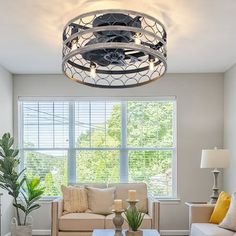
(169, 201)
(44, 199)
(48, 199)
(163, 201)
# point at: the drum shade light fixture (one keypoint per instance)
(114, 49)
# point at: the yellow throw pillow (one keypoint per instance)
(221, 208)
(75, 199)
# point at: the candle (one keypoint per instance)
(118, 205)
(132, 195)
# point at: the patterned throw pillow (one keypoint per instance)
(229, 221)
(75, 199)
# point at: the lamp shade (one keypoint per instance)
(215, 158)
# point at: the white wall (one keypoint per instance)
(200, 125)
(230, 127)
(6, 125)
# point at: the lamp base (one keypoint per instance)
(214, 196)
(215, 189)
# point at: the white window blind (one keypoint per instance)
(46, 124)
(100, 141)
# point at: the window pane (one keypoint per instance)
(150, 124)
(97, 166)
(97, 124)
(45, 124)
(50, 166)
(30, 124)
(154, 168)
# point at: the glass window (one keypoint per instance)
(50, 166)
(97, 166)
(100, 141)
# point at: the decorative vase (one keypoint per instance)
(132, 205)
(21, 230)
(134, 233)
(118, 221)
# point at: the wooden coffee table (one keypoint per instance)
(111, 232)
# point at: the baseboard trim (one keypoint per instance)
(163, 232)
(41, 232)
(174, 232)
(36, 232)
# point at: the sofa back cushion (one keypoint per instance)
(100, 201)
(75, 199)
(229, 221)
(141, 193)
(221, 208)
(94, 185)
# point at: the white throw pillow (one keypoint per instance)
(229, 222)
(75, 199)
(100, 201)
(122, 190)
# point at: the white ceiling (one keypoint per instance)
(201, 33)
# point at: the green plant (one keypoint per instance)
(16, 184)
(32, 192)
(134, 218)
(9, 177)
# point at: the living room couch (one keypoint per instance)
(199, 217)
(82, 224)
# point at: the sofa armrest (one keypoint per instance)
(200, 213)
(154, 212)
(56, 213)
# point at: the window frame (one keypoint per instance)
(123, 149)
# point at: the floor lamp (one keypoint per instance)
(214, 159)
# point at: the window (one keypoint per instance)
(100, 141)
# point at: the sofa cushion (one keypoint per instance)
(100, 201)
(141, 190)
(75, 199)
(206, 229)
(146, 224)
(221, 208)
(229, 221)
(94, 185)
(81, 222)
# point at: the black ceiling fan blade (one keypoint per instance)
(75, 27)
(135, 54)
(153, 46)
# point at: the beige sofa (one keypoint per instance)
(199, 217)
(82, 224)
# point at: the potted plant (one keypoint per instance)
(134, 218)
(25, 192)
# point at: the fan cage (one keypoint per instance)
(131, 70)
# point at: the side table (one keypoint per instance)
(195, 207)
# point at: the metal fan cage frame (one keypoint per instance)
(134, 72)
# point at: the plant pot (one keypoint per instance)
(20, 230)
(134, 233)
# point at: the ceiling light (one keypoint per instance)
(151, 63)
(93, 70)
(114, 49)
(137, 38)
